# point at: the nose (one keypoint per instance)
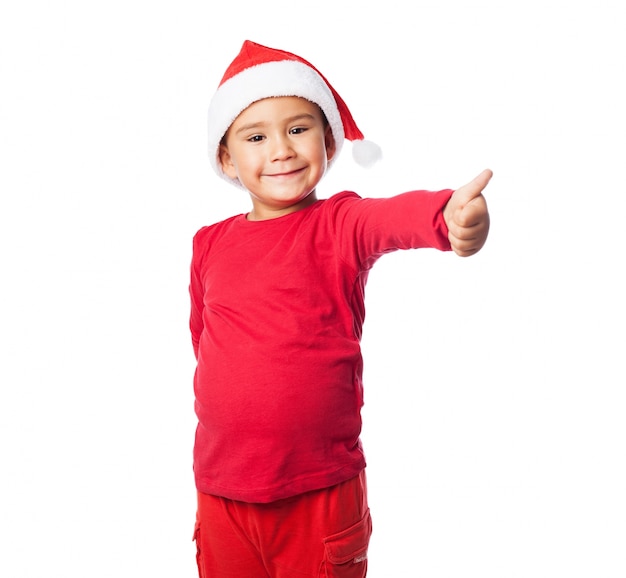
(281, 148)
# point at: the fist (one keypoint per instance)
(467, 217)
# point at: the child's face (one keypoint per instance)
(278, 148)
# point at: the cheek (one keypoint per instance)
(324, 158)
(240, 163)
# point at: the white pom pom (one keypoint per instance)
(366, 153)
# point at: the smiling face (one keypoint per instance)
(279, 149)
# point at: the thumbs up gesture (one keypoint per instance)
(467, 217)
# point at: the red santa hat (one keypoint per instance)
(260, 72)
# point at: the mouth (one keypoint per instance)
(285, 174)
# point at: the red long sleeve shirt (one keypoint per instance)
(277, 309)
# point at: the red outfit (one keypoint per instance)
(320, 533)
(276, 319)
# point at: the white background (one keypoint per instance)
(495, 404)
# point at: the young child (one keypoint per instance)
(277, 309)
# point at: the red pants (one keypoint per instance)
(320, 534)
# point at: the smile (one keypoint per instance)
(286, 174)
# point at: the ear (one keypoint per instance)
(329, 141)
(226, 162)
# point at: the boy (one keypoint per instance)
(277, 308)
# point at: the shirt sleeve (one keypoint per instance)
(371, 227)
(196, 292)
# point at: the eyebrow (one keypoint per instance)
(255, 125)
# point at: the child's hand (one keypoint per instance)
(467, 217)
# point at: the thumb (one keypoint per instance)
(473, 189)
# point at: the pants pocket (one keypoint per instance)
(345, 553)
(199, 561)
